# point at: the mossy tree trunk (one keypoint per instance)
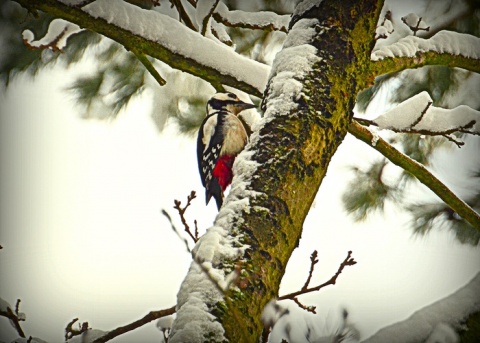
(293, 152)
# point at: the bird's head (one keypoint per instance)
(227, 102)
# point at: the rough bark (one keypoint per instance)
(293, 152)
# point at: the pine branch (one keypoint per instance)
(420, 172)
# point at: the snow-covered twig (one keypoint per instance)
(56, 38)
(385, 28)
(86, 334)
(70, 332)
(416, 115)
(152, 315)
(15, 316)
(444, 42)
(251, 20)
(419, 171)
(413, 23)
(219, 31)
(204, 13)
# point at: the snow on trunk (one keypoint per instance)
(218, 250)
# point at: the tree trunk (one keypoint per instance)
(309, 102)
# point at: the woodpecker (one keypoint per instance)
(220, 139)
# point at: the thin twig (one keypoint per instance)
(420, 172)
(174, 228)
(313, 262)
(70, 332)
(411, 129)
(205, 20)
(183, 14)
(349, 261)
(422, 114)
(245, 25)
(416, 27)
(149, 66)
(152, 315)
(311, 309)
(52, 45)
(181, 212)
(458, 143)
(15, 320)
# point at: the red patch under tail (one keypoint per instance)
(223, 171)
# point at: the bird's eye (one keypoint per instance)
(231, 95)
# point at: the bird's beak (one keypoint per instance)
(240, 106)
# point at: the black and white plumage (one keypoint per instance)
(220, 139)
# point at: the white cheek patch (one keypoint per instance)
(209, 129)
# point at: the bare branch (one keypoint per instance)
(349, 261)
(70, 332)
(181, 212)
(152, 315)
(205, 20)
(311, 309)
(420, 117)
(14, 317)
(51, 45)
(313, 262)
(458, 143)
(264, 20)
(183, 14)
(420, 172)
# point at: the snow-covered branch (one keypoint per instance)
(417, 115)
(203, 14)
(417, 169)
(251, 20)
(56, 38)
(86, 334)
(15, 317)
(449, 312)
(163, 38)
(444, 42)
